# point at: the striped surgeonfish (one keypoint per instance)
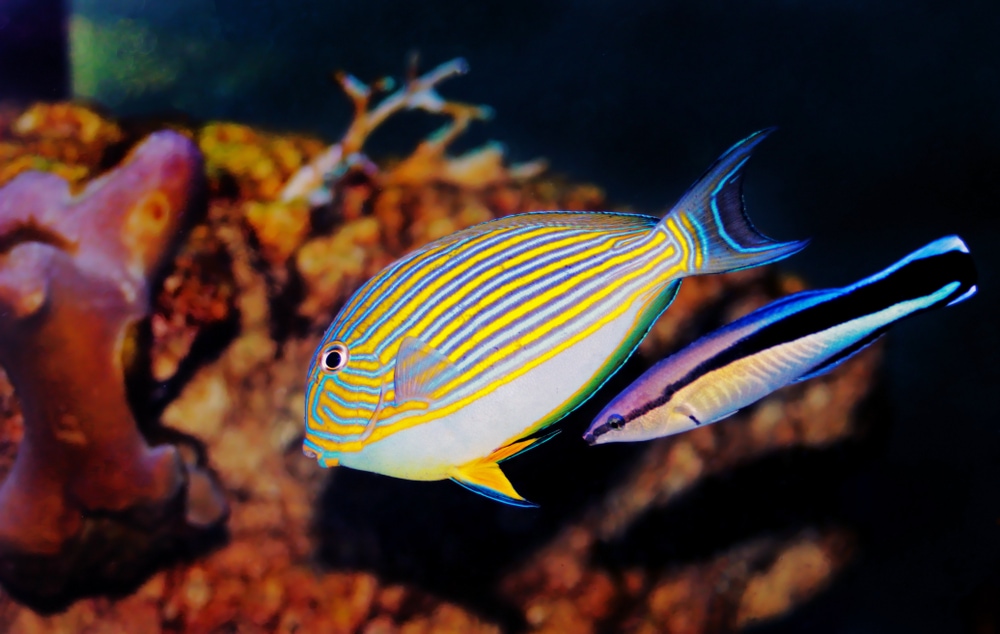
(792, 339)
(451, 359)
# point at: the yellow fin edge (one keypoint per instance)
(483, 475)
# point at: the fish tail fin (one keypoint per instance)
(711, 224)
(943, 263)
(483, 475)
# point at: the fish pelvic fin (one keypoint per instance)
(711, 224)
(483, 475)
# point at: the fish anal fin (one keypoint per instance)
(486, 479)
(420, 370)
(838, 359)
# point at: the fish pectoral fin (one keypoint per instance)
(486, 478)
(420, 370)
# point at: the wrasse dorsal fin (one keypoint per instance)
(711, 212)
(483, 475)
(420, 370)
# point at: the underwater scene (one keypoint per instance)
(414, 317)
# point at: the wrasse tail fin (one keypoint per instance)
(483, 476)
(711, 212)
(420, 370)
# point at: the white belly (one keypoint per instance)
(431, 450)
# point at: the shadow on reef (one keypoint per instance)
(122, 569)
(780, 493)
(459, 545)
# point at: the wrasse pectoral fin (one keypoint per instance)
(420, 369)
(483, 476)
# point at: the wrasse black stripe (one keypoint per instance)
(916, 279)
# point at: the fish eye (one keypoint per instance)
(335, 357)
(615, 421)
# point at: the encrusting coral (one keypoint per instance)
(75, 275)
(628, 538)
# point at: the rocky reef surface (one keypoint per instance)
(150, 432)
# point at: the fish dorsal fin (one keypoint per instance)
(483, 475)
(420, 370)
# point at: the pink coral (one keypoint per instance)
(75, 276)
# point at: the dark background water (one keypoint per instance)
(889, 137)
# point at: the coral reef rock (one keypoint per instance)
(704, 532)
(75, 278)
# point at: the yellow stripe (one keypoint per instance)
(516, 285)
(467, 288)
(365, 402)
(438, 413)
(431, 251)
(699, 257)
(507, 289)
(536, 302)
(454, 271)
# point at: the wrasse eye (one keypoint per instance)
(334, 357)
(615, 421)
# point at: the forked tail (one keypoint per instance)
(711, 224)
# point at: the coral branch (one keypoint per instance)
(417, 94)
(74, 277)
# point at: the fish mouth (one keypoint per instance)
(598, 434)
(323, 458)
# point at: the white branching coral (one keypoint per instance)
(417, 93)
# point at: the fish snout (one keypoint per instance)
(600, 430)
(324, 459)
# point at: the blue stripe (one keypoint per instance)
(376, 284)
(430, 277)
(459, 283)
(579, 291)
(476, 293)
(721, 227)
